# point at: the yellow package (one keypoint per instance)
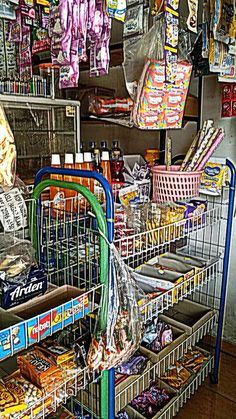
(214, 177)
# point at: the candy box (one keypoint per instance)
(188, 316)
(151, 279)
(134, 414)
(12, 339)
(61, 307)
(179, 336)
(14, 291)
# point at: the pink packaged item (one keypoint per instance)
(160, 105)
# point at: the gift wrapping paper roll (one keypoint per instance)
(201, 149)
(190, 152)
(211, 150)
(210, 142)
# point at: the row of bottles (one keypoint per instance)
(109, 164)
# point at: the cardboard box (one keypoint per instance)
(187, 315)
(90, 397)
(11, 339)
(52, 312)
(179, 336)
(134, 414)
(151, 279)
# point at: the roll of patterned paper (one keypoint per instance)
(190, 152)
(168, 152)
(211, 150)
(209, 123)
(201, 149)
(212, 139)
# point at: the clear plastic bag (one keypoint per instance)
(7, 154)
(151, 46)
(16, 256)
(123, 333)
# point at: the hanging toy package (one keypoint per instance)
(113, 346)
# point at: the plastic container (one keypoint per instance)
(57, 195)
(173, 185)
(105, 165)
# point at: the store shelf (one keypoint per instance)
(61, 393)
(130, 247)
(180, 291)
(124, 397)
(35, 329)
(35, 101)
(182, 397)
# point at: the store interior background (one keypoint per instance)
(134, 141)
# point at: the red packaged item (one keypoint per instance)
(227, 91)
(234, 108)
(226, 110)
(234, 91)
(103, 106)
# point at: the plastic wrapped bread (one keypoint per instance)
(7, 154)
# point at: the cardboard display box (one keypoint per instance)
(187, 315)
(179, 336)
(134, 414)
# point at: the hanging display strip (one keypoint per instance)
(131, 246)
(179, 399)
(176, 294)
(23, 334)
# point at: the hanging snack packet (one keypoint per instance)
(171, 39)
(192, 17)
(116, 9)
(214, 177)
(120, 339)
(134, 21)
(7, 154)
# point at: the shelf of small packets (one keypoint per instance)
(46, 377)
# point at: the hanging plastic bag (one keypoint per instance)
(123, 333)
(7, 154)
(149, 45)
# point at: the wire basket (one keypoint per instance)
(173, 185)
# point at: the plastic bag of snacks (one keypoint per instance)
(120, 340)
(20, 279)
(7, 154)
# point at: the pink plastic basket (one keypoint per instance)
(173, 185)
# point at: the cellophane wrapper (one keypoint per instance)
(121, 338)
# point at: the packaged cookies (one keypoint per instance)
(39, 370)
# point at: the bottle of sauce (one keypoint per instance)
(79, 160)
(88, 165)
(105, 165)
(103, 146)
(117, 163)
(69, 193)
(57, 195)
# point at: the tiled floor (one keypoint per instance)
(215, 401)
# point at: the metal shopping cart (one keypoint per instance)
(74, 255)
